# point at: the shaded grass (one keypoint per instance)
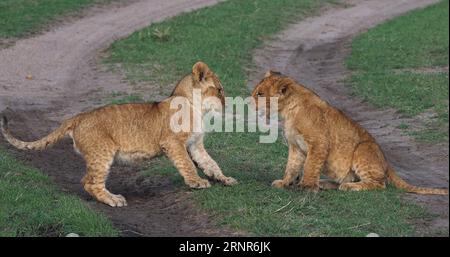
(388, 60)
(30, 205)
(19, 18)
(224, 36)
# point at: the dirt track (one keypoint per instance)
(313, 52)
(62, 62)
(66, 79)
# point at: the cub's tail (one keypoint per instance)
(40, 144)
(400, 183)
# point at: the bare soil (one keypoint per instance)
(313, 52)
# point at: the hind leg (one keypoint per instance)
(369, 166)
(325, 184)
(98, 162)
(361, 185)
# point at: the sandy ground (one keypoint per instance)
(313, 52)
(66, 78)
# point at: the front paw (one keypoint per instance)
(279, 183)
(228, 181)
(113, 200)
(311, 188)
(199, 184)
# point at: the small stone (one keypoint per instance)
(373, 235)
(72, 235)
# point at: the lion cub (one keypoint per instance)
(136, 131)
(323, 139)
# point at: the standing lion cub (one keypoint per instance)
(322, 139)
(136, 131)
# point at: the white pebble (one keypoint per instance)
(373, 235)
(72, 235)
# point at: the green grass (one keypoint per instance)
(30, 205)
(258, 209)
(121, 99)
(388, 62)
(224, 36)
(19, 18)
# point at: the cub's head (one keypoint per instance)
(205, 80)
(275, 85)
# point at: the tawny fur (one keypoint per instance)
(136, 131)
(323, 139)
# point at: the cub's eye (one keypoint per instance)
(220, 90)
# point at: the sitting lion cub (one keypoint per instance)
(322, 138)
(135, 131)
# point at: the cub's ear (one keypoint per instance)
(271, 72)
(200, 70)
(284, 88)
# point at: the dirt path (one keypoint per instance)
(313, 52)
(66, 79)
(62, 62)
